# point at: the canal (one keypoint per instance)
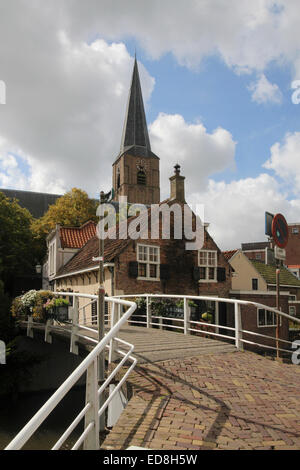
(14, 414)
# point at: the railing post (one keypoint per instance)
(74, 328)
(186, 315)
(84, 315)
(148, 312)
(48, 336)
(238, 326)
(112, 355)
(29, 326)
(91, 441)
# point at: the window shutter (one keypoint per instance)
(164, 272)
(133, 269)
(196, 273)
(221, 274)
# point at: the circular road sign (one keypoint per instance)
(280, 230)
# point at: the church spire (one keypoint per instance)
(135, 132)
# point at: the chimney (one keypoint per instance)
(177, 185)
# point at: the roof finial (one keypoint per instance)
(177, 169)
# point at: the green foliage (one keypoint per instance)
(17, 244)
(72, 209)
(56, 302)
(159, 307)
(207, 317)
(180, 303)
(7, 325)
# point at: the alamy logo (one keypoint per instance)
(2, 352)
(154, 222)
(2, 92)
(296, 95)
(296, 354)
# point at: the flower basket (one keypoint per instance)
(57, 309)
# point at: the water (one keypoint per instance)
(15, 414)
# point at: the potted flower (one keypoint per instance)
(57, 308)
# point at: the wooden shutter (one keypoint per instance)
(196, 273)
(164, 272)
(221, 274)
(133, 269)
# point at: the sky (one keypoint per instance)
(221, 86)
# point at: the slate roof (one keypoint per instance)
(36, 203)
(77, 237)
(268, 272)
(135, 138)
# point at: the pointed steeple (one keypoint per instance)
(135, 135)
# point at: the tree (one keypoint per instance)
(17, 245)
(72, 209)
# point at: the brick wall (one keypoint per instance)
(249, 320)
(181, 263)
(293, 246)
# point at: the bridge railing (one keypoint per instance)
(234, 333)
(96, 401)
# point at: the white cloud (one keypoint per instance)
(285, 161)
(264, 91)
(246, 35)
(200, 153)
(67, 122)
(236, 210)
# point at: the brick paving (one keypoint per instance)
(215, 401)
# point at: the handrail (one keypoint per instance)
(28, 430)
(187, 322)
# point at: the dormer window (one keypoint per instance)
(141, 176)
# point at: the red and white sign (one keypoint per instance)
(280, 231)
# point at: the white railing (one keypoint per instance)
(96, 403)
(186, 325)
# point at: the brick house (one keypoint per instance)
(254, 280)
(144, 265)
(147, 265)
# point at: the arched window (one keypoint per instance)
(118, 178)
(141, 176)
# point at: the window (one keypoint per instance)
(257, 255)
(141, 176)
(266, 318)
(148, 258)
(208, 265)
(292, 310)
(52, 259)
(254, 284)
(295, 230)
(118, 178)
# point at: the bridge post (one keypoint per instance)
(186, 315)
(74, 328)
(148, 312)
(48, 336)
(91, 441)
(29, 326)
(238, 326)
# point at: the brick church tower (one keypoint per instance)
(136, 169)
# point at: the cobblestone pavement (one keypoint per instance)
(219, 401)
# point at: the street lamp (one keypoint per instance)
(38, 268)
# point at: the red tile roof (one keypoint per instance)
(77, 237)
(229, 254)
(83, 259)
